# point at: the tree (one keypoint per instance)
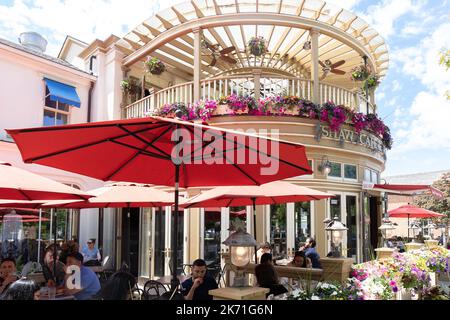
(445, 61)
(440, 205)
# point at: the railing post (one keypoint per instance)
(315, 64)
(197, 62)
(257, 83)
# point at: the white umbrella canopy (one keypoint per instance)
(119, 195)
(19, 184)
(270, 193)
(276, 192)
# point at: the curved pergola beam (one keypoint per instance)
(248, 18)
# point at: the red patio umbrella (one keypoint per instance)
(408, 211)
(19, 184)
(120, 195)
(270, 193)
(162, 151)
(23, 218)
(20, 211)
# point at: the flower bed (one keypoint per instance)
(334, 115)
(383, 279)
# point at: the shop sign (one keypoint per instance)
(345, 135)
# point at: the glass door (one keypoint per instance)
(302, 225)
(278, 230)
(159, 254)
(344, 206)
(351, 222)
(145, 243)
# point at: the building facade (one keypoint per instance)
(306, 50)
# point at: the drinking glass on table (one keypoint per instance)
(51, 293)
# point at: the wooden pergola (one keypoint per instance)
(175, 36)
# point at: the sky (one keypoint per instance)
(411, 98)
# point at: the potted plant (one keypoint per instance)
(125, 85)
(360, 73)
(257, 46)
(372, 81)
(154, 65)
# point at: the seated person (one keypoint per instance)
(68, 248)
(48, 269)
(8, 273)
(91, 255)
(267, 276)
(22, 289)
(119, 286)
(90, 285)
(300, 261)
(310, 252)
(265, 248)
(197, 287)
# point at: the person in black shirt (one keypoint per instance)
(197, 287)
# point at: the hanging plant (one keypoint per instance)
(154, 65)
(360, 73)
(372, 82)
(257, 46)
(125, 85)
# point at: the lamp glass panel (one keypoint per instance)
(240, 256)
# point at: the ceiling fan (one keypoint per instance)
(328, 66)
(217, 54)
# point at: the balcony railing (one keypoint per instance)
(215, 88)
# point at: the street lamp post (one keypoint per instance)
(240, 243)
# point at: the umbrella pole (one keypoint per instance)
(39, 237)
(175, 282)
(55, 253)
(254, 227)
(408, 226)
(129, 236)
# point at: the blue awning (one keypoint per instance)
(63, 93)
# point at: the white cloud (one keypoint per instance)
(83, 19)
(430, 110)
(396, 86)
(382, 17)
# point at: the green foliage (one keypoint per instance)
(435, 204)
(445, 61)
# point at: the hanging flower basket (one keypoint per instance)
(372, 81)
(155, 66)
(360, 73)
(257, 46)
(125, 85)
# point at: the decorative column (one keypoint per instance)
(257, 83)
(197, 63)
(290, 228)
(315, 64)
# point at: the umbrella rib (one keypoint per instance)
(229, 202)
(133, 157)
(28, 160)
(148, 143)
(242, 171)
(24, 194)
(142, 151)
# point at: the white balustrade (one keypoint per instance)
(215, 88)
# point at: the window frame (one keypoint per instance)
(56, 110)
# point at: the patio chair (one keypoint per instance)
(137, 294)
(153, 290)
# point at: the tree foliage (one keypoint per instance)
(445, 61)
(440, 205)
